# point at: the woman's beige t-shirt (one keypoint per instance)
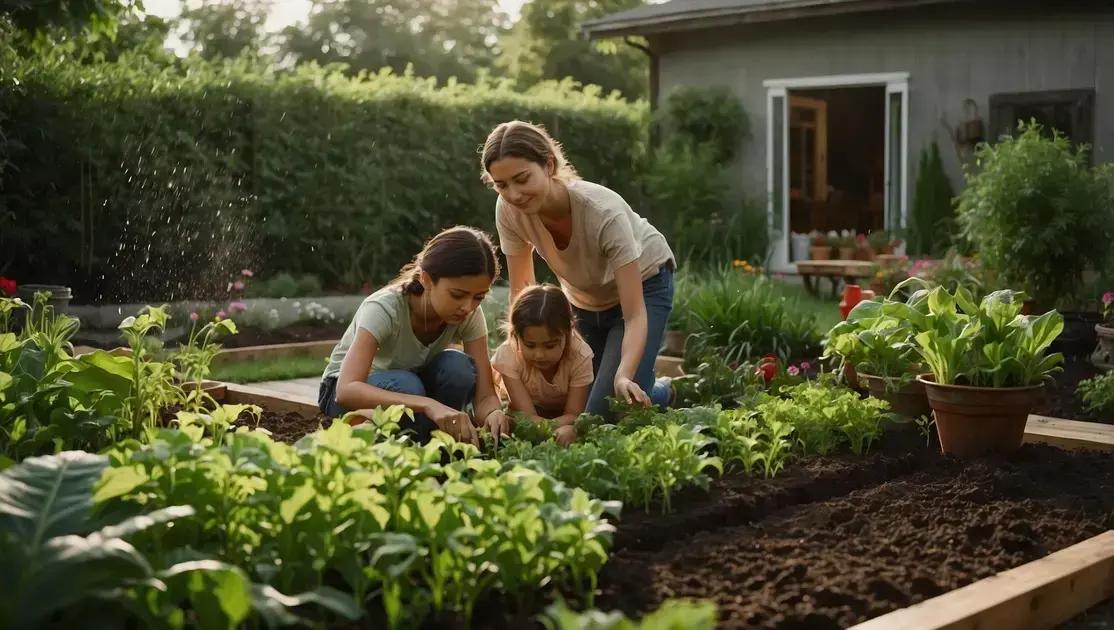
(606, 234)
(386, 315)
(574, 370)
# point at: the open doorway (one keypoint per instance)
(837, 155)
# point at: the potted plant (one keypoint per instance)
(1038, 213)
(879, 242)
(821, 248)
(1103, 356)
(987, 363)
(846, 245)
(881, 348)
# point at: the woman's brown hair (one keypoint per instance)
(541, 305)
(455, 252)
(527, 141)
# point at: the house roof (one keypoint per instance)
(678, 15)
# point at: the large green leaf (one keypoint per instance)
(48, 496)
(100, 370)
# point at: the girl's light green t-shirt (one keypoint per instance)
(386, 315)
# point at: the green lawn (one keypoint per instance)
(269, 370)
(826, 311)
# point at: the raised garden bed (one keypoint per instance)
(842, 560)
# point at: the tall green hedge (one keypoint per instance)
(134, 181)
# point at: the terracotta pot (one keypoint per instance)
(909, 400)
(847, 253)
(1103, 356)
(820, 252)
(974, 421)
(675, 343)
(851, 378)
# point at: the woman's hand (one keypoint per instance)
(497, 424)
(629, 391)
(455, 423)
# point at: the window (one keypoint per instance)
(1069, 111)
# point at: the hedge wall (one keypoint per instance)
(132, 181)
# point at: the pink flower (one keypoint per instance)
(793, 370)
(237, 307)
(221, 315)
(805, 365)
(238, 285)
(1108, 297)
(194, 316)
(247, 273)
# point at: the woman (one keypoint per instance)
(615, 268)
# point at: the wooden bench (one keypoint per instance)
(849, 271)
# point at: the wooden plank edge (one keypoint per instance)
(275, 351)
(1069, 434)
(269, 400)
(1039, 594)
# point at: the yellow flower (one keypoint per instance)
(739, 263)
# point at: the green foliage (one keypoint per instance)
(224, 29)
(269, 370)
(824, 417)
(711, 118)
(243, 160)
(715, 382)
(674, 614)
(285, 284)
(547, 44)
(1098, 393)
(738, 316)
(932, 219)
(874, 342)
(1038, 213)
(96, 17)
(419, 531)
(984, 344)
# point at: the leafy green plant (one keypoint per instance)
(985, 344)
(715, 382)
(195, 357)
(1098, 393)
(1038, 213)
(674, 614)
(738, 316)
(874, 342)
(824, 417)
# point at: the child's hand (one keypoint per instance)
(497, 424)
(565, 435)
(629, 391)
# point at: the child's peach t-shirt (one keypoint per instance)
(574, 370)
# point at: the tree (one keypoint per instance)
(547, 44)
(97, 16)
(224, 28)
(440, 38)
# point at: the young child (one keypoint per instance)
(545, 367)
(396, 350)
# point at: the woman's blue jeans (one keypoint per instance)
(449, 378)
(603, 330)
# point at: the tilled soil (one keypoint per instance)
(285, 427)
(845, 559)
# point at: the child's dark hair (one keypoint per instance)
(455, 252)
(540, 305)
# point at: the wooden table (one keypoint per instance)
(849, 271)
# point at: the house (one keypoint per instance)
(843, 95)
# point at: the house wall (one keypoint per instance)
(951, 52)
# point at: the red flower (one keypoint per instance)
(8, 286)
(767, 367)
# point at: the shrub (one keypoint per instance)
(1098, 393)
(1038, 213)
(932, 218)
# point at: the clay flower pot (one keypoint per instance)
(820, 252)
(847, 253)
(909, 400)
(675, 343)
(974, 421)
(1103, 356)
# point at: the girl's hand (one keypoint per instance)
(629, 391)
(455, 423)
(565, 435)
(497, 424)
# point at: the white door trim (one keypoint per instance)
(894, 82)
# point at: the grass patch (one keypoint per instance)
(825, 311)
(279, 369)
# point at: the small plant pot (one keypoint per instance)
(1103, 356)
(820, 252)
(909, 400)
(675, 343)
(975, 421)
(847, 253)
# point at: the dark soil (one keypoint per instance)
(250, 336)
(846, 558)
(1063, 402)
(285, 427)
